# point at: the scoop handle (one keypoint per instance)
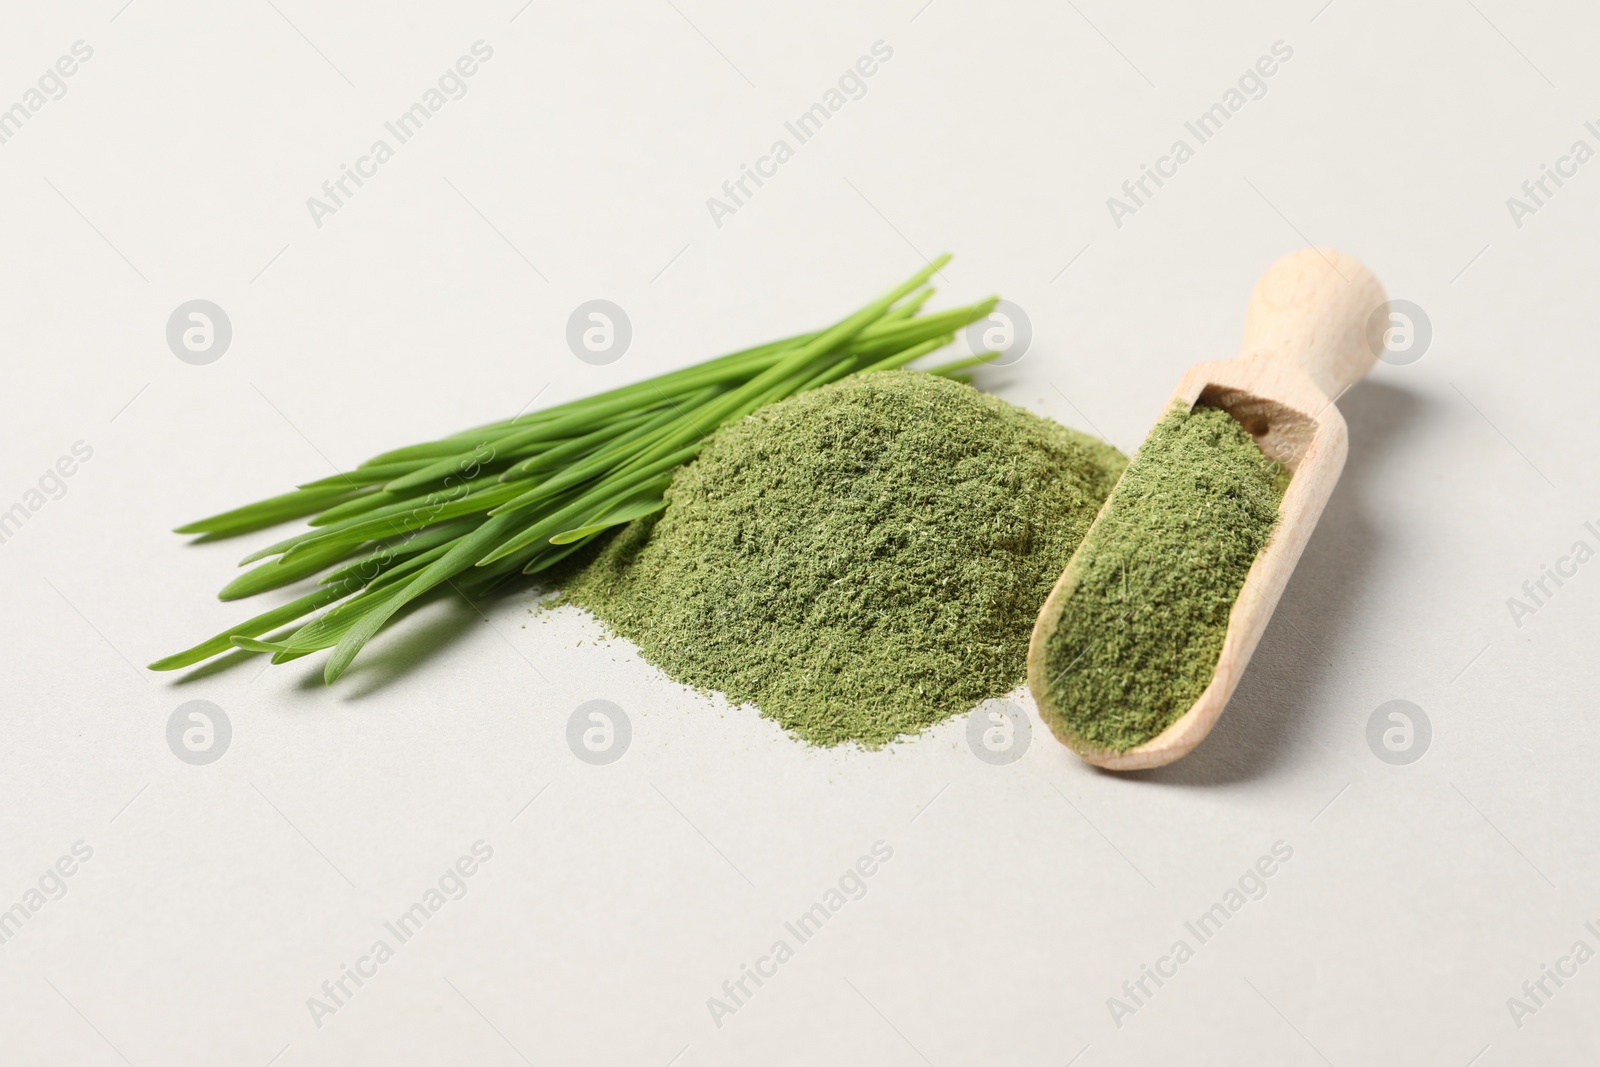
(1318, 309)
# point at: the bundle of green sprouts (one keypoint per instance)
(472, 510)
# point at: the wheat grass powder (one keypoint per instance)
(1137, 639)
(858, 562)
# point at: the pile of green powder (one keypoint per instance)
(1138, 639)
(860, 561)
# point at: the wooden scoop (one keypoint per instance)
(1307, 339)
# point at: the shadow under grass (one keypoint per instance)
(421, 630)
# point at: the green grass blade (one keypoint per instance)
(372, 566)
(547, 559)
(269, 512)
(362, 477)
(326, 630)
(399, 525)
(253, 627)
(557, 454)
(250, 644)
(910, 355)
(599, 496)
(904, 336)
(636, 506)
(953, 368)
(410, 566)
(279, 573)
(417, 513)
(605, 450)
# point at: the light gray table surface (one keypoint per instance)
(208, 904)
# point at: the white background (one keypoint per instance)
(1018, 899)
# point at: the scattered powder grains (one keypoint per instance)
(1137, 640)
(859, 562)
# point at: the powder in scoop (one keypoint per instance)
(1138, 638)
(860, 561)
